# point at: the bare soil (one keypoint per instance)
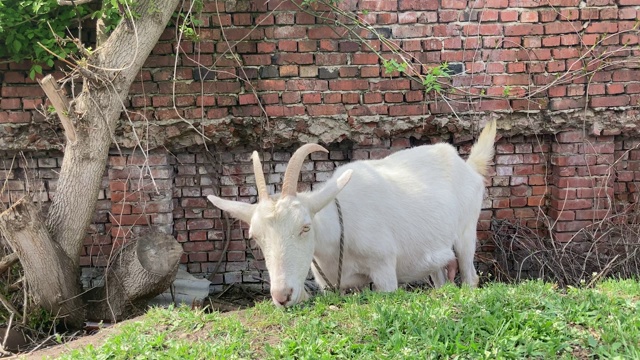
(234, 298)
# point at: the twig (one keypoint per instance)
(227, 236)
(10, 308)
(602, 273)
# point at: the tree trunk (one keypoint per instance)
(96, 112)
(52, 278)
(50, 250)
(141, 270)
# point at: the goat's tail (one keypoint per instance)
(483, 150)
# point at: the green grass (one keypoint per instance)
(531, 320)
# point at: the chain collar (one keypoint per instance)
(315, 264)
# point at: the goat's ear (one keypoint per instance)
(237, 209)
(317, 200)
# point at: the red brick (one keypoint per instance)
(365, 59)
(504, 214)
(625, 75)
(291, 97)
(562, 27)
(523, 29)
(489, 15)
(270, 85)
(292, 58)
(602, 27)
(245, 99)
(129, 219)
(326, 32)
(500, 203)
(351, 98)
(305, 19)
(306, 85)
(529, 17)
(288, 45)
(332, 98)
(454, 4)
(609, 101)
(484, 29)
(617, 88)
(266, 47)
(418, 5)
(319, 110)
(372, 97)
(387, 18)
(598, 214)
(572, 225)
(369, 71)
(595, 192)
(288, 70)
(272, 98)
(12, 104)
(196, 224)
(312, 98)
(414, 96)
(407, 110)
(193, 203)
(348, 85)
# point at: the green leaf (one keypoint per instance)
(17, 45)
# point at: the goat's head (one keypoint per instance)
(282, 225)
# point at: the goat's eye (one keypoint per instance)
(305, 229)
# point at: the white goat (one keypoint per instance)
(402, 216)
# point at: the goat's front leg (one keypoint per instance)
(384, 277)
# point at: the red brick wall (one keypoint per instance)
(561, 77)
(568, 182)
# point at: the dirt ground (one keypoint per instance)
(231, 299)
(53, 352)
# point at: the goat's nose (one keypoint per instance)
(281, 296)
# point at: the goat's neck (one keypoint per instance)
(326, 226)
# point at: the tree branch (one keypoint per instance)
(60, 103)
(7, 262)
(75, 2)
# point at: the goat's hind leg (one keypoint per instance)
(384, 277)
(465, 249)
(438, 278)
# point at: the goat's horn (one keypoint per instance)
(263, 194)
(290, 182)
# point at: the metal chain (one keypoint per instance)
(324, 277)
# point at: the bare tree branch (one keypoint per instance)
(75, 2)
(7, 262)
(60, 103)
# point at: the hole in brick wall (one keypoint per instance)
(413, 141)
(202, 74)
(383, 31)
(456, 68)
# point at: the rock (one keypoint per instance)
(188, 290)
(16, 341)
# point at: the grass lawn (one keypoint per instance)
(530, 320)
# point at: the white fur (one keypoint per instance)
(403, 216)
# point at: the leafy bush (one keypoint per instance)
(25, 24)
(27, 27)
